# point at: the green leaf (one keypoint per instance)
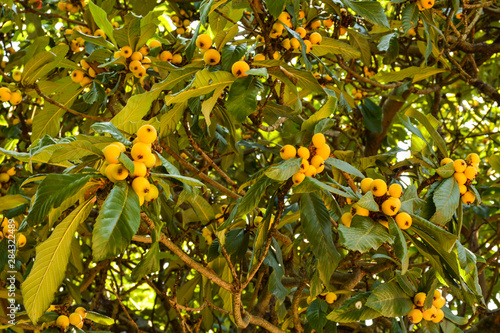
(410, 202)
(454, 318)
(390, 299)
(52, 192)
(101, 19)
(371, 10)
(137, 107)
(494, 161)
(399, 246)
(362, 43)
(202, 208)
(186, 180)
(438, 140)
(118, 221)
(418, 73)
(254, 195)
(29, 74)
(372, 115)
(204, 83)
(317, 227)
(99, 318)
(127, 162)
(446, 198)
(109, 128)
(284, 170)
(309, 185)
(96, 94)
(242, 99)
(96, 40)
(409, 17)
(48, 119)
(353, 310)
(51, 260)
(316, 314)
(72, 151)
(149, 264)
(368, 202)
(324, 112)
(275, 7)
(344, 166)
(273, 259)
(231, 54)
(12, 201)
(447, 170)
(331, 46)
(445, 239)
(363, 235)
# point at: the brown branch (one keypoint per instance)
(274, 126)
(196, 147)
(297, 324)
(197, 172)
(67, 19)
(208, 273)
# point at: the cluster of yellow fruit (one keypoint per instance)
(13, 97)
(76, 319)
(425, 4)
(9, 230)
(5, 174)
(77, 44)
(136, 61)
(293, 43)
(166, 55)
(465, 173)
(358, 94)
(210, 55)
(182, 21)
(313, 157)
(387, 198)
(71, 7)
(84, 76)
(144, 159)
(434, 313)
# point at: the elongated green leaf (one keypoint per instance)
(99, 318)
(363, 235)
(254, 195)
(444, 238)
(333, 46)
(316, 314)
(73, 151)
(117, 222)
(400, 247)
(344, 166)
(438, 140)
(150, 263)
(362, 43)
(351, 311)
(186, 180)
(447, 170)
(52, 191)
(137, 107)
(310, 184)
(97, 40)
(326, 111)
(12, 201)
(242, 99)
(418, 73)
(316, 224)
(446, 199)
(34, 64)
(284, 170)
(390, 299)
(372, 115)
(107, 127)
(371, 10)
(494, 161)
(409, 17)
(50, 264)
(48, 119)
(204, 83)
(101, 19)
(202, 208)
